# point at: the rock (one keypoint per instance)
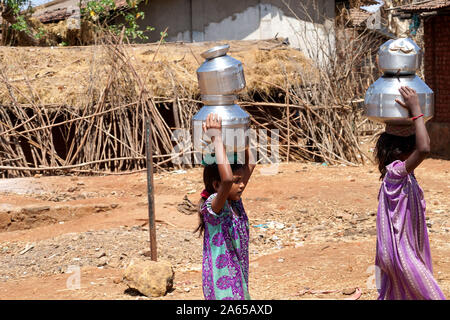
(349, 291)
(103, 261)
(147, 254)
(349, 232)
(35, 209)
(280, 226)
(100, 255)
(5, 220)
(346, 216)
(101, 208)
(299, 244)
(151, 278)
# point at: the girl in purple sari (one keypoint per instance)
(403, 249)
(224, 223)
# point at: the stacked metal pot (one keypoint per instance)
(398, 60)
(220, 78)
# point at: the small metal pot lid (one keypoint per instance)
(216, 52)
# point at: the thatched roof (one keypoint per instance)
(424, 6)
(63, 75)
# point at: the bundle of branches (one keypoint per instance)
(104, 133)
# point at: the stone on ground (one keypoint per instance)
(151, 278)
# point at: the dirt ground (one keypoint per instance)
(312, 229)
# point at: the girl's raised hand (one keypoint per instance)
(213, 126)
(411, 100)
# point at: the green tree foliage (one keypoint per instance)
(106, 14)
(15, 9)
(16, 12)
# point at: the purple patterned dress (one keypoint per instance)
(225, 252)
(403, 249)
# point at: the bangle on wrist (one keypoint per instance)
(417, 117)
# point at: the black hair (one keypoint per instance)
(210, 175)
(390, 147)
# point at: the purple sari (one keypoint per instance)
(403, 249)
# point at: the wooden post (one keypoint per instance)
(287, 101)
(151, 199)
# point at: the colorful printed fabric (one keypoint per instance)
(225, 252)
(403, 249)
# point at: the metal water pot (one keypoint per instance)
(380, 105)
(220, 77)
(220, 74)
(398, 59)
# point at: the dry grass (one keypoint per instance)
(61, 75)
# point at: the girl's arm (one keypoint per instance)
(422, 139)
(214, 127)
